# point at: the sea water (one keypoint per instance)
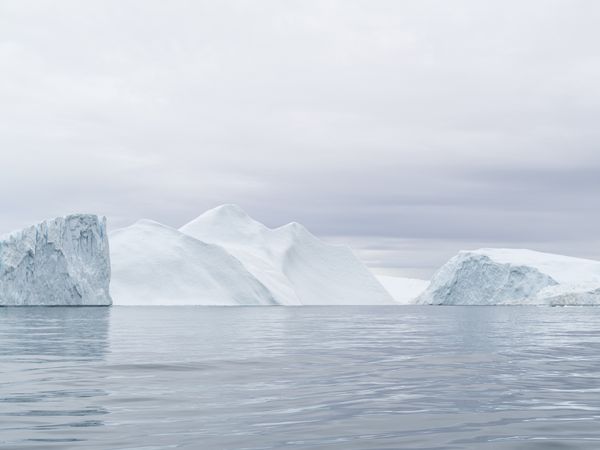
(414, 377)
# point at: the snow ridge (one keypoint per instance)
(154, 264)
(293, 264)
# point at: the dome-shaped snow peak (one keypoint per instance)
(297, 267)
(156, 264)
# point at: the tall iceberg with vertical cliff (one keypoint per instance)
(63, 261)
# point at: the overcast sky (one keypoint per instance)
(409, 129)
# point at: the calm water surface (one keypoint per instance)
(300, 378)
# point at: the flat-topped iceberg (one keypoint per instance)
(296, 267)
(513, 277)
(154, 264)
(63, 261)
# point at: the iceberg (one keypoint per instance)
(514, 277)
(63, 261)
(404, 290)
(295, 266)
(154, 264)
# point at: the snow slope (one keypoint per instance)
(403, 290)
(63, 261)
(294, 265)
(154, 264)
(513, 276)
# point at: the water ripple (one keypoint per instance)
(299, 378)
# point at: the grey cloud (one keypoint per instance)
(441, 123)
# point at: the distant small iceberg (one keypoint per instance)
(404, 290)
(514, 277)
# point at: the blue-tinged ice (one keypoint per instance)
(514, 277)
(63, 261)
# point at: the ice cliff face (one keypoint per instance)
(296, 267)
(508, 277)
(64, 261)
(154, 264)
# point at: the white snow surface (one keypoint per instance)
(404, 290)
(514, 276)
(62, 261)
(154, 264)
(295, 266)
